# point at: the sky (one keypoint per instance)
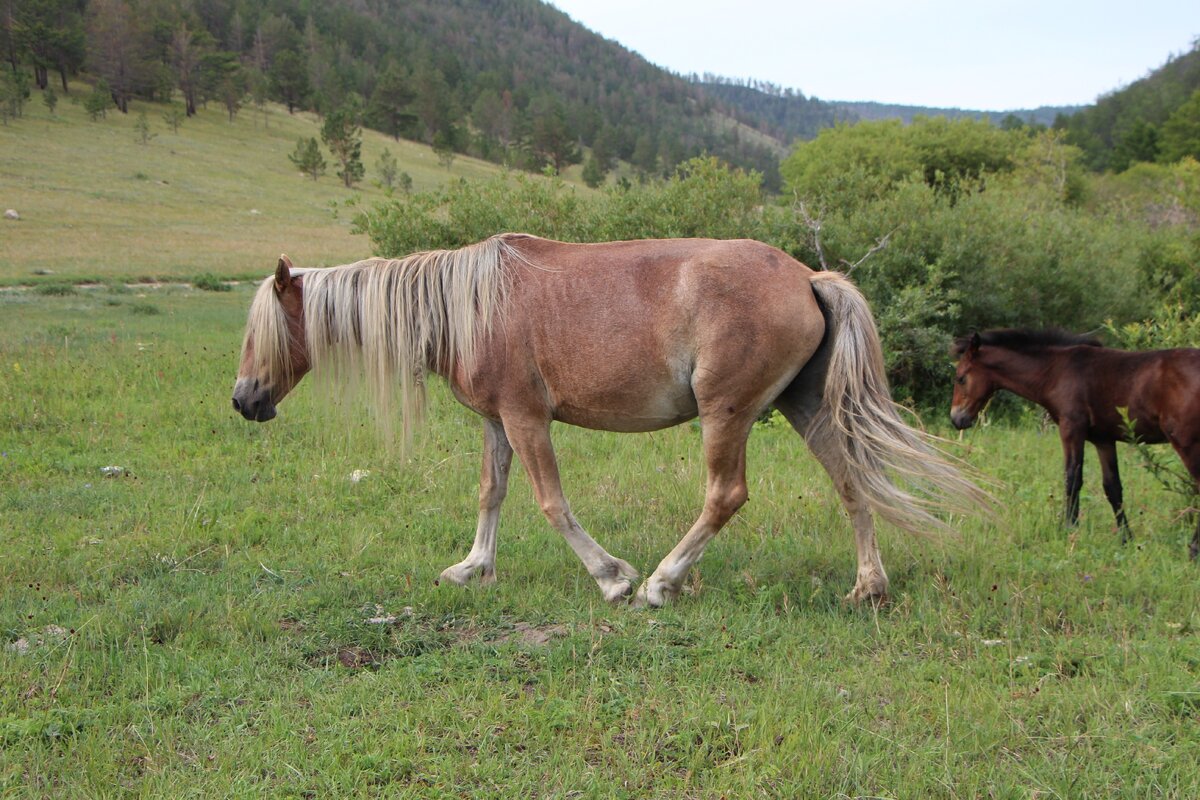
(992, 56)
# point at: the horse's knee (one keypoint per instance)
(555, 510)
(725, 502)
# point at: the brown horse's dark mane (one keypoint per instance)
(1023, 339)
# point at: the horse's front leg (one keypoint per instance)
(1072, 443)
(493, 486)
(530, 437)
(725, 493)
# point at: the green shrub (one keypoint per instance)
(55, 289)
(210, 283)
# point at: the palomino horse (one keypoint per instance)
(622, 336)
(1085, 387)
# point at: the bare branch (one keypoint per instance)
(813, 223)
(880, 244)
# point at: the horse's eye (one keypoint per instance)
(961, 380)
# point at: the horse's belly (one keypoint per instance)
(629, 414)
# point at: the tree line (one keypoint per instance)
(510, 81)
(1153, 120)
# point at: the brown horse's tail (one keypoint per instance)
(858, 417)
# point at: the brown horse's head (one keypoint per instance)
(274, 354)
(973, 385)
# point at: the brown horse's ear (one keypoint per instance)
(975, 342)
(283, 274)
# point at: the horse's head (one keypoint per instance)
(274, 354)
(973, 385)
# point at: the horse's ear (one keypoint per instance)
(283, 274)
(975, 342)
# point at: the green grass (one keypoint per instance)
(216, 197)
(213, 601)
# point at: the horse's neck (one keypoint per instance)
(1027, 374)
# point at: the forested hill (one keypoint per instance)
(788, 114)
(1156, 118)
(785, 114)
(513, 81)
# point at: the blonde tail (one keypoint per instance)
(857, 415)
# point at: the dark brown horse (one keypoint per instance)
(1086, 388)
(622, 336)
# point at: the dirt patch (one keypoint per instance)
(534, 635)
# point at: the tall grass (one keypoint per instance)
(199, 625)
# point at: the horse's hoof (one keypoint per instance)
(618, 592)
(462, 574)
(875, 598)
(653, 594)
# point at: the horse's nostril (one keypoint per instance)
(236, 405)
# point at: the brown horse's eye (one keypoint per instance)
(961, 380)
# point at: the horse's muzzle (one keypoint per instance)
(961, 419)
(253, 402)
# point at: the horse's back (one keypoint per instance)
(641, 335)
(1157, 390)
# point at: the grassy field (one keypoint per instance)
(202, 624)
(230, 614)
(219, 197)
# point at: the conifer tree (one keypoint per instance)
(343, 137)
(307, 157)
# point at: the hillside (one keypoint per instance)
(215, 197)
(1128, 124)
(509, 81)
(788, 114)
(870, 111)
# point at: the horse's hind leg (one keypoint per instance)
(1107, 451)
(725, 492)
(530, 437)
(493, 486)
(799, 404)
(1072, 443)
(1189, 453)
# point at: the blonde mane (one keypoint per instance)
(378, 326)
(267, 330)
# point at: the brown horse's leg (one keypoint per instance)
(871, 583)
(530, 438)
(725, 492)
(1189, 453)
(1072, 444)
(1107, 451)
(493, 486)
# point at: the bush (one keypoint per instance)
(703, 198)
(211, 283)
(54, 289)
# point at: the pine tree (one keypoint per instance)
(307, 157)
(343, 137)
(387, 169)
(142, 127)
(98, 102)
(593, 172)
(174, 117)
